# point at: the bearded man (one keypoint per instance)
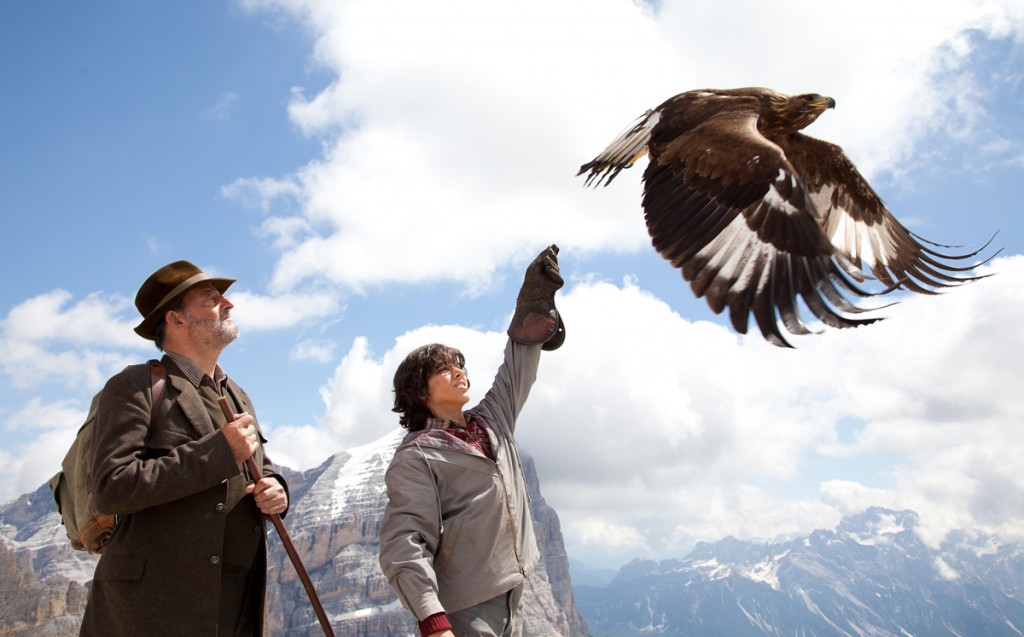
(189, 555)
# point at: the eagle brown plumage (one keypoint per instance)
(758, 215)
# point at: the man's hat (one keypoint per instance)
(163, 289)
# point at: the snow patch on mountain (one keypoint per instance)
(357, 479)
(944, 570)
(766, 572)
(873, 576)
(712, 570)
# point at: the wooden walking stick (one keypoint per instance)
(282, 532)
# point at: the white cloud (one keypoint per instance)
(358, 398)
(259, 193)
(611, 538)
(49, 338)
(79, 344)
(451, 135)
(314, 350)
(37, 415)
(651, 431)
(295, 446)
(50, 428)
(223, 108)
(849, 498)
(93, 320)
(465, 119)
(260, 312)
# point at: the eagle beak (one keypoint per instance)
(828, 102)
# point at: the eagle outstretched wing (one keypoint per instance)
(859, 226)
(760, 217)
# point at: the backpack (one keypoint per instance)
(88, 529)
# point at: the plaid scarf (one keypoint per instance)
(473, 434)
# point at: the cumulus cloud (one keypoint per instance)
(261, 312)
(51, 428)
(451, 133)
(319, 351)
(260, 193)
(51, 338)
(51, 316)
(466, 119)
(651, 431)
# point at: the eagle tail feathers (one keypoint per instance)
(623, 152)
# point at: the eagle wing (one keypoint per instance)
(856, 222)
(725, 205)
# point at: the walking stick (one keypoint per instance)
(286, 540)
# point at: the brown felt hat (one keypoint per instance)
(164, 287)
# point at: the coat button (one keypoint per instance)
(215, 560)
(220, 507)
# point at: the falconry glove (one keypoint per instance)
(536, 320)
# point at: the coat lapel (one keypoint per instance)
(192, 405)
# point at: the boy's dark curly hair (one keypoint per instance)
(410, 383)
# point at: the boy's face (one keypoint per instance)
(448, 387)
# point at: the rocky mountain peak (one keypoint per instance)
(871, 575)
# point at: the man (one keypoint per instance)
(189, 556)
(456, 540)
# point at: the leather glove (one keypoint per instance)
(536, 320)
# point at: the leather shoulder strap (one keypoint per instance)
(158, 376)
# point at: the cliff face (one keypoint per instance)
(334, 523)
(549, 604)
(335, 526)
(42, 579)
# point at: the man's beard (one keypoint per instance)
(211, 332)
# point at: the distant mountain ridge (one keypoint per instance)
(872, 576)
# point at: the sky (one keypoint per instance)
(377, 174)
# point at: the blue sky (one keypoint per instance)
(378, 174)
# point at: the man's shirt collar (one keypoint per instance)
(194, 374)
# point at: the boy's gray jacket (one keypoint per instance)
(470, 538)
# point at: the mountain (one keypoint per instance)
(334, 522)
(43, 578)
(871, 576)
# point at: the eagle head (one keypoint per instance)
(790, 113)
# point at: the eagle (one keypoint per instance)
(763, 219)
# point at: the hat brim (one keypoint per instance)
(147, 328)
